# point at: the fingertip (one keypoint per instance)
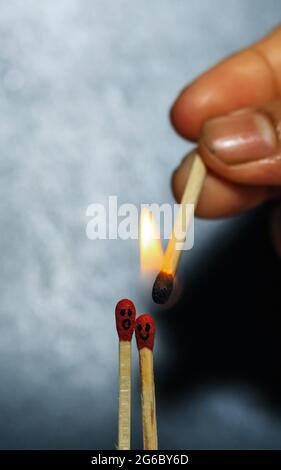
(175, 186)
(240, 81)
(212, 94)
(185, 113)
(179, 177)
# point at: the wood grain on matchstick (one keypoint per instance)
(164, 281)
(124, 421)
(184, 217)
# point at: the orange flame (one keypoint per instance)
(151, 252)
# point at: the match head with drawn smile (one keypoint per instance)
(125, 314)
(145, 331)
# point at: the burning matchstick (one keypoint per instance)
(164, 281)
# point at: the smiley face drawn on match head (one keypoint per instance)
(145, 331)
(125, 314)
(144, 335)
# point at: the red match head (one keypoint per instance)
(125, 314)
(145, 331)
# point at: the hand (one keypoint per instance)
(234, 112)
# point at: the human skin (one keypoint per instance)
(233, 112)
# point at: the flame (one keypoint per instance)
(151, 252)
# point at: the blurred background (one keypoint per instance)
(85, 90)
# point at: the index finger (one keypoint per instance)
(249, 78)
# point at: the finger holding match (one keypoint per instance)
(145, 332)
(125, 314)
(164, 282)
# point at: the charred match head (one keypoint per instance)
(162, 287)
(145, 331)
(125, 314)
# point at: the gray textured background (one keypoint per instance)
(85, 88)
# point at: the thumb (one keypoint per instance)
(245, 146)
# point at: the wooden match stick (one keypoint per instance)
(125, 314)
(145, 331)
(163, 284)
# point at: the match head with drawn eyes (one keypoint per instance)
(125, 314)
(145, 331)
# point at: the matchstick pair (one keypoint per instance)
(144, 327)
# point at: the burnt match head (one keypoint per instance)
(125, 314)
(145, 331)
(162, 287)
